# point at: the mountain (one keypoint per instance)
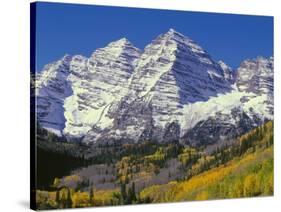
(256, 76)
(74, 92)
(173, 90)
(51, 89)
(248, 105)
(100, 81)
(172, 72)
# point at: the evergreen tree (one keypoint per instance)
(129, 199)
(63, 200)
(271, 139)
(91, 196)
(68, 199)
(58, 197)
(123, 192)
(134, 198)
(126, 178)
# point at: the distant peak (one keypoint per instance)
(258, 59)
(118, 47)
(173, 32)
(66, 59)
(262, 58)
(121, 42)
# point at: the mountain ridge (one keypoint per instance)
(165, 93)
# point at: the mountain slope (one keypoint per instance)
(256, 76)
(246, 174)
(73, 93)
(104, 83)
(248, 105)
(234, 180)
(52, 87)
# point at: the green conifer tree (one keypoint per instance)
(58, 197)
(68, 199)
(91, 196)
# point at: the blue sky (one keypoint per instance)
(80, 29)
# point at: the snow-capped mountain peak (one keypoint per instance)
(173, 34)
(173, 90)
(121, 49)
(121, 42)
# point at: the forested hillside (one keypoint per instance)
(151, 172)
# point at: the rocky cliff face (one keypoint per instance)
(172, 91)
